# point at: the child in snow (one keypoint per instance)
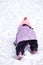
(25, 36)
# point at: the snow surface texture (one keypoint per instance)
(11, 14)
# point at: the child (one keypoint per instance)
(25, 35)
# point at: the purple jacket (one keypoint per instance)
(25, 33)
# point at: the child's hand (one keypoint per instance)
(34, 52)
(20, 56)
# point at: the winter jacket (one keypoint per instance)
(25, 33)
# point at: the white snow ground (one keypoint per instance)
(11, 14)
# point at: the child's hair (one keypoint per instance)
(27, 25)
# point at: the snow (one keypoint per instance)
(11, 14)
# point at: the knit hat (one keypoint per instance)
(25, 21)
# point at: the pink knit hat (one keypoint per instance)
(25, 21)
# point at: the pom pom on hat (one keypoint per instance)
(25, 18)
